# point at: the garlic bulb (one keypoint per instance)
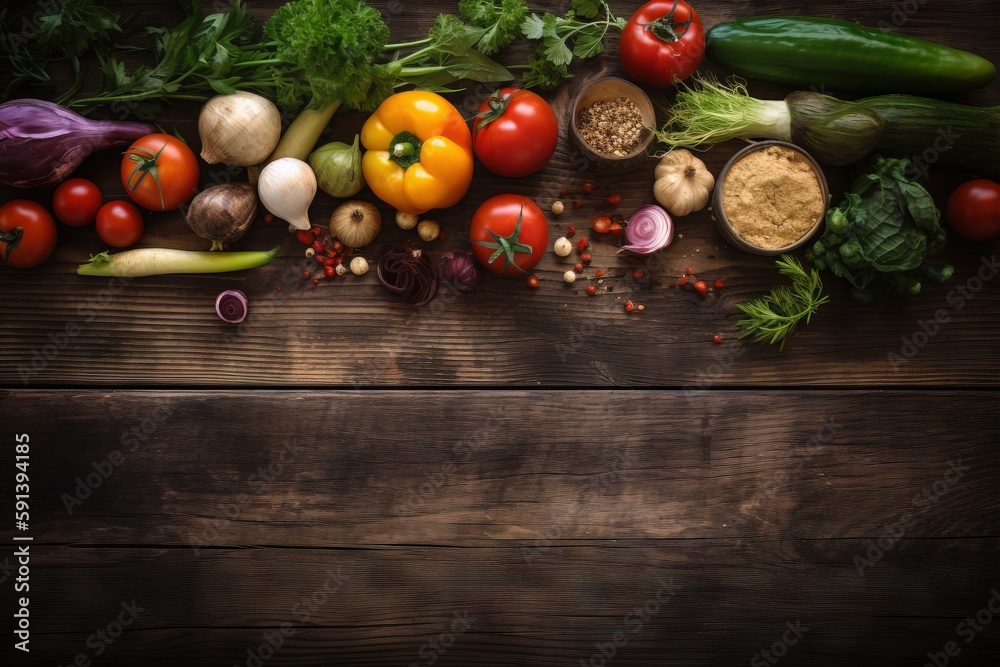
(286, 188)
(683, 184)
(239, 129)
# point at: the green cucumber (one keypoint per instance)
(832, 55)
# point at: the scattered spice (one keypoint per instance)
(576, 202)
(701, 287)
(612, 127)
(599, 273)
(558, 207)
(591, 290)
(316, 231)
(629, 306)
(269, 218)
(615, 228)
(588, 187)
(601, 224)
(640, 307)
(582, 244)
(585, 258)
(578, 267)
(563, 247)
(718, 283)
(570, 232)
(717, 338)
(614, 200)
(533, 281)
(304, 237)
(569, 277)
(772, 197)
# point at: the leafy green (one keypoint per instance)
(564, 38)
(773, 317)
(42, 34)
(878, 238)
(499, 19)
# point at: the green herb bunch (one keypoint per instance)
(773, 317)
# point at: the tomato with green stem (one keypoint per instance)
(974, 210)
(509, 235)
(515, 132)
(76, 202)
(119, 224)
(27, 233)
(160, 172)
(663, 41)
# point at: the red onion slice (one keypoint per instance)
(648, 230)
(231, 306)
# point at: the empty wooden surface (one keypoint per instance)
(162, 331)
(293, 482)
(546, 517)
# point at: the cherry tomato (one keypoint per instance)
(160, 172)
(664, 39)
(77, 201)
(27, 233)
(119, 224)
(509, 234)
(515, 133)
(974, 210)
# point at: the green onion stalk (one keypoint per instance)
(835, 132)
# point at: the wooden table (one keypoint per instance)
(516, 477)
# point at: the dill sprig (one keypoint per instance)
(773, 317)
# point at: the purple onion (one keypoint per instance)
(648, 230)
(42, 143)
(462, 270)
(231, 306)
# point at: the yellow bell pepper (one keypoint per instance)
(419, 152)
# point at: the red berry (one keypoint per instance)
(320, 259)
(689, 271)
(329, 271)
(578, 268)
(585, 258)
(338, 247)
(701, 287)
(306, 275)
(269, 218)
(582, 244)
(599, 273)
(614, 200)
(615, 228)
(317, 232)
(589, 187)
(533, 281)
(629, 306)
(318, 247)
(591, 290)
(638, 274)
(330, 261)
(570, 232)
(563, 192)
(304, 237)
(683, 281)
(576, 202)
(718, 283)
(717, 338)
(601, 224)
(315, 281)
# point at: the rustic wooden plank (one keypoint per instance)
(224, 469)
(162, 331)
(381, 606)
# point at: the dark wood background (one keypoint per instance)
(750, 480)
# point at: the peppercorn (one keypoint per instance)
(591, 290)
(533, 281)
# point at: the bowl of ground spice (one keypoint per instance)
(771, 198)
(613, 124)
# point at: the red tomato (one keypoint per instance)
(664, 39)
(974, 210)
(119, 224)
(509, 234)
(77, 201)
(160, 172)
(27, 233)
(515, 132)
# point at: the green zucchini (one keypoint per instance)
(840, 56)
(934, 134)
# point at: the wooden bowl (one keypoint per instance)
(612, 88)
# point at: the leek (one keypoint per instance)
(835, 132)
(163, 261)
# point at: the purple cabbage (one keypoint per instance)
(42, 143)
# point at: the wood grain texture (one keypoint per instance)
(162, 331)
(569, 510)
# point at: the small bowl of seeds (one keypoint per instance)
(613, 124)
